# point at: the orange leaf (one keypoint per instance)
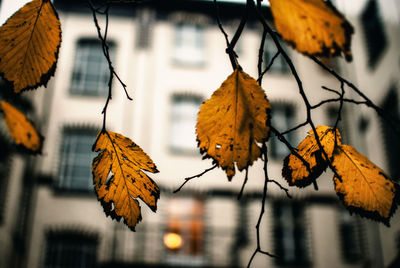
(29, 43)
(119, 178)
(365, 188)
(313, 27)
(21, 129)
(294, 170)
(232, 121)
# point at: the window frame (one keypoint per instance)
(195, 100)
(289, 111)
(180, 57)
(390, 105)
(64, 176)
(67, 236)
(86, 48)
(350, 232)
(375, 36)
(298, 230)
(182, 223)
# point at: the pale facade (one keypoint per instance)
(172, 59)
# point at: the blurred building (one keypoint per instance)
(171, 54)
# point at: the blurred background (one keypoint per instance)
(171, 55)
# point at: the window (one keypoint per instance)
(70, 250)
(390, 138)
(183, 117)
(282, 119)
(144, 28)
(90, 74)
(76, 158)
(189, 45)
(184, 237)
(350, 234)
(289, 233)
(280, 66)
(374, 32)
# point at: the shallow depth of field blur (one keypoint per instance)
(171, 55)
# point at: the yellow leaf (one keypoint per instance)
(232, 121)
(21, 129)
(29, 43)
(119, 178)
(365, 188)
(313, 27)
(294, 170)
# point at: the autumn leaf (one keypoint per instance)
(29, 44)
(313, 27)
(295, 171)
(364, 188)
(233, 121)
(119, 178)
(21, 129)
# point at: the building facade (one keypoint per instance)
(172, 57)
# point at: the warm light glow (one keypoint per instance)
(172, 240)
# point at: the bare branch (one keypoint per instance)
(331, 90)
(295, 128)
(290, 147)
(246, 177)
(262, 211)
(106, 52)
(281, 187)
(392, 121)
(268, 67)
(195, 176)
(260, 57)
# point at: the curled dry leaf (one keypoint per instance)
(295, 171)
(21, 129)
(29, 44)
(365, 188)
(313, 27)
(119, 178)
(233, 121)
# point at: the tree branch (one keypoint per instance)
(195, 176)
(106, 52)
(262, 211)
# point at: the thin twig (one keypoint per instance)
(246, 177)
(295, 128)
(106, 52)
(290, 147)
(271, 62)
(232, 54)
(330, 90)
(293, 70)
(195, 176)
(265, 189)
(395, 124)
(337, 100)
(261, 57)
(281, 187)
